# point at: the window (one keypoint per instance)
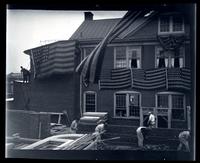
(120, 57)
(164, 24)
(163, 101)
(134, 57)
(173, 101)
(178, 107)
(90, 101)
(177, 23)
(127, 57)
(127, 104)
(169, 59)
(121, 105)
(171, 24)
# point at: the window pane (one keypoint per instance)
(120, 61)
(134, 57)
(177, 107)
(164, 24)
(134, 106)
(178, 114)
(90, 102)
(177, 23)
(120, 109)
(163, 101)
(177, 101)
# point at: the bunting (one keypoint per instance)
(149, 79)
(90, 66)
(169, 78)
(120, 78)
(171, 42)
(179, 78)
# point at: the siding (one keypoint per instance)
(50, 95)
(144, 32)
(148, 56)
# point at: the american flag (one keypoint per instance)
(179, 78)
(89, 67)
(54, 58)
(149, 79)
(169, 78)
(120, 78)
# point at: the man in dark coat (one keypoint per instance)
(26, 75)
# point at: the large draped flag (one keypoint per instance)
(54, 58)
(90, 66)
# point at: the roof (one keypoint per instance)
(94, 29)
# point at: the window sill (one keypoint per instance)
(126, 118)
(177, 120)
(167, 33)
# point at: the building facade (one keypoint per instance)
(147, 67)
(148, 70)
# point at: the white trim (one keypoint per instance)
(84, 99)
(127, 49)
(127, 104)
(170, 106)
(159, 48)
(171, 26)
(81, 102)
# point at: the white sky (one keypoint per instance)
(27, 28)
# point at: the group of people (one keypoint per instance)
(142, 134)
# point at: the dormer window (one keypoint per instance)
(170, 24)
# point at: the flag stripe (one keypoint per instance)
(54, 58)
(120, 78)
(56, 65)
(153, 79)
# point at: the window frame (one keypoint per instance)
(159, 48)
(170, 104)
(84, 100)
(171, 23)
(127, 104)
(127, 49)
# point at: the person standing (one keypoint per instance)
(99, 130)
(141, 134)
(151, 121)
(26, 75)
(74, 126)
(184, 140)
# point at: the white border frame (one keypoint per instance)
(84, 100)
(127, 110)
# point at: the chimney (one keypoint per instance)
(88, 16)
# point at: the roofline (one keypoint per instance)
(28, 50)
